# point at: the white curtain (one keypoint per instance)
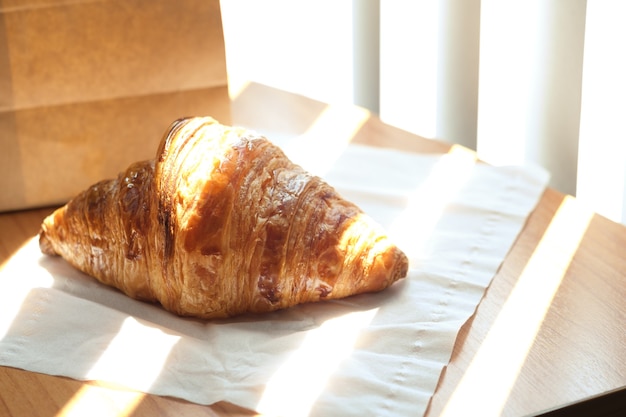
(521, 81)
(602, 146)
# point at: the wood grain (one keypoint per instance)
(580, 349)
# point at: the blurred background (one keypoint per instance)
(525, 82)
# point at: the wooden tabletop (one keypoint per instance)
(550, 331)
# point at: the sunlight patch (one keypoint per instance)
(293, 389)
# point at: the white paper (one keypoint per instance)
(376, 354)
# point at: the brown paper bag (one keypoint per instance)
(88, 87)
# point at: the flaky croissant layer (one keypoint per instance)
(222, 223)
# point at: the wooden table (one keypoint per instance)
(550, 331)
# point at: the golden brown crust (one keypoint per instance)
(222, 223)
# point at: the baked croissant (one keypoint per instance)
(222, 223)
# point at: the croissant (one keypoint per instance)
(219, 224)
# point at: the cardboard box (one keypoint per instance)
(88, 87)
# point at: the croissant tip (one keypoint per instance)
(402, 268)
(45, 245)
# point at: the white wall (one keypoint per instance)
(300, 46)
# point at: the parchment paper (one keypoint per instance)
(376, 354)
